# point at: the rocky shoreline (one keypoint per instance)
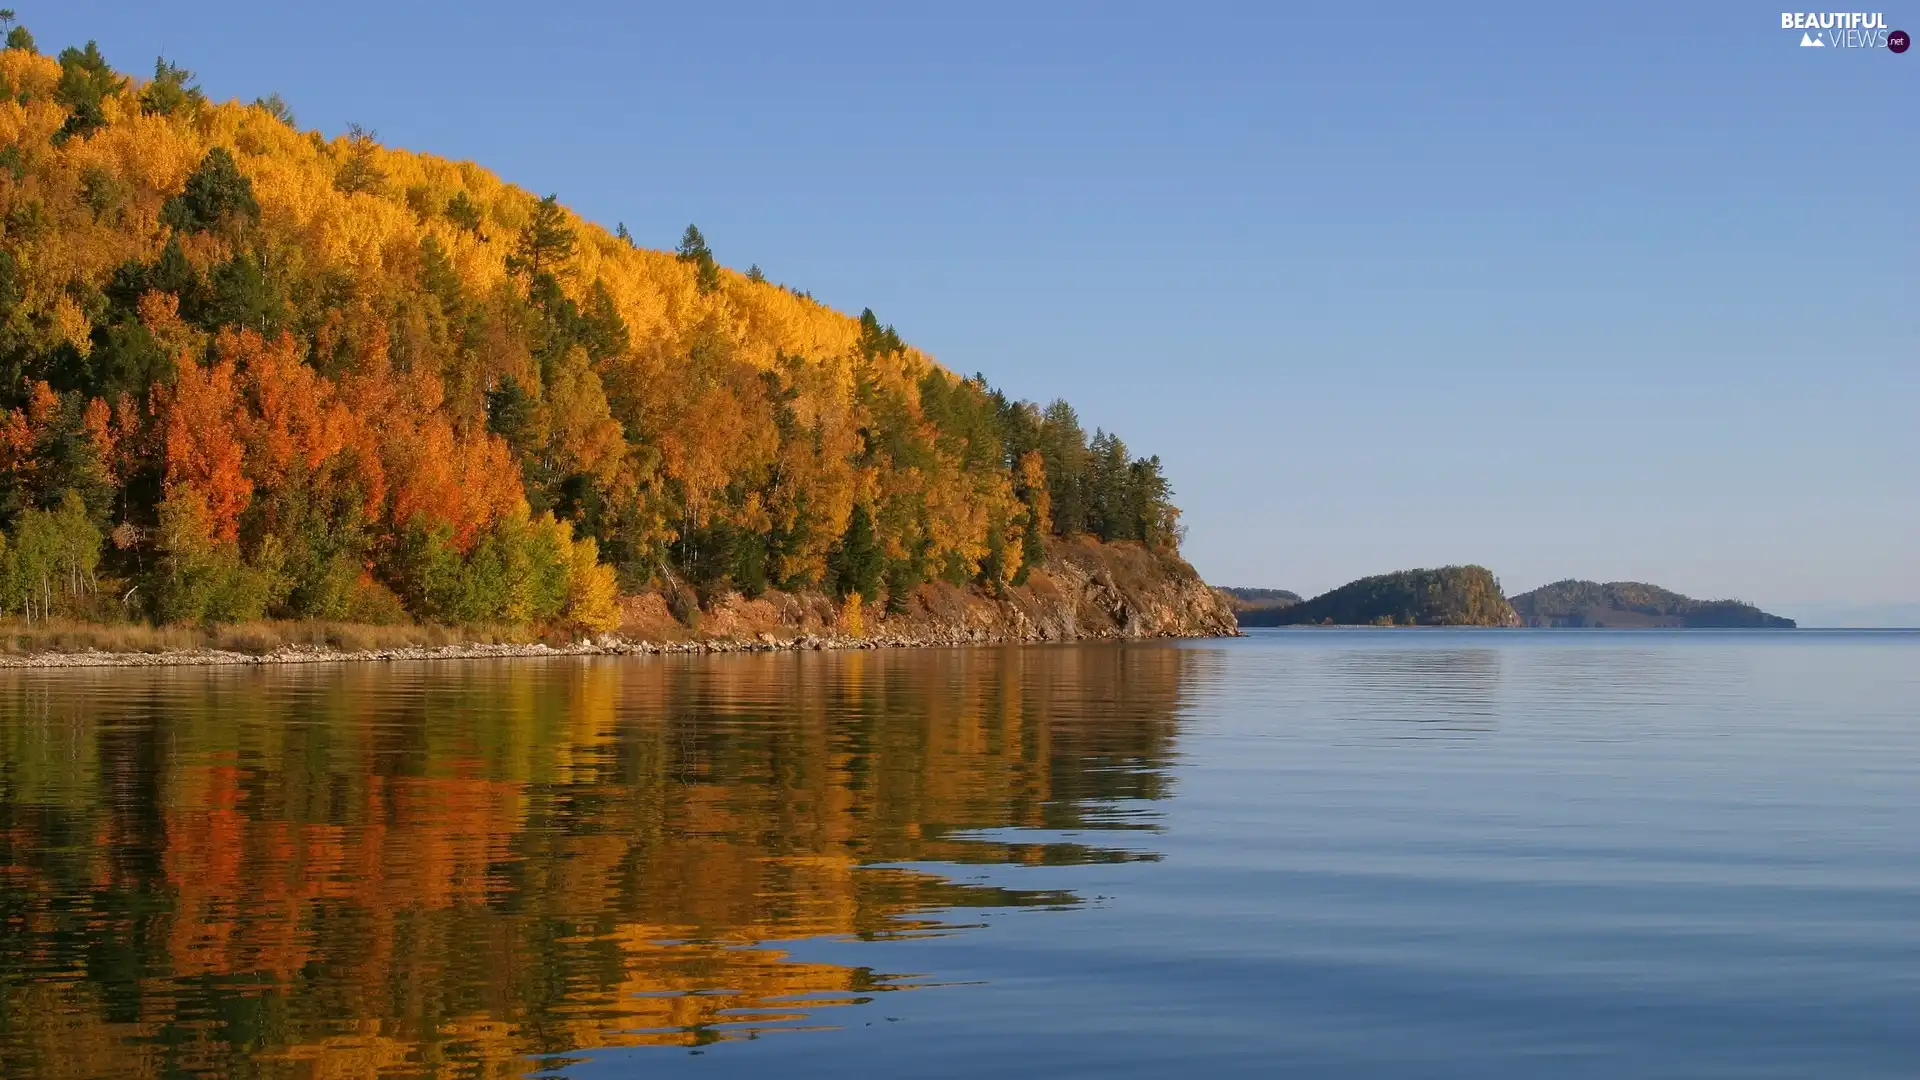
(604, 646)
(1088, 592)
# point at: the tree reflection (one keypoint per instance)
(344, 871)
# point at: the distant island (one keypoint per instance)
(1470, 596)
(1447, 596)
(1634, 604)
(1244, 600)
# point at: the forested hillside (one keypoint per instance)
(1625, 604)
(1256, 607)
(251, 370)
(1448, 596)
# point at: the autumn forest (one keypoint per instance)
(254, 372)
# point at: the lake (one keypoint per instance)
(1319, 853)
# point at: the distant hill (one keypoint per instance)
(1244, 599)
(1626, 604)
(1448, 596)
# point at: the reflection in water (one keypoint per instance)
(478, 869)
(1634, 686)
(1454, 689)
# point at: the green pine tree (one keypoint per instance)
(693, 249)
(85, 81)
(276, 107)
(1063, 447)
(358, 172)
(1033, 549)
(857, 563)
(217, 193)
(464, 212)
(171, 90)
(545, 244)
(17, 36)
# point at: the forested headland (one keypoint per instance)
(252, 371)
(1448, 596)
(1245, 600)
(1634, 604)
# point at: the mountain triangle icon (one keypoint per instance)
(1808, 41)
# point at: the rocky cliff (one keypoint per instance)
(1086, 590)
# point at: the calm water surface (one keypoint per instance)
(1310, 854)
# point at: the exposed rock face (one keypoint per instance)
(1086, 591)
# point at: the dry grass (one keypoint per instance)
(18, 637)
(74, 635)
(1135, 570)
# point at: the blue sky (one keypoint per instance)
(1569, 290)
